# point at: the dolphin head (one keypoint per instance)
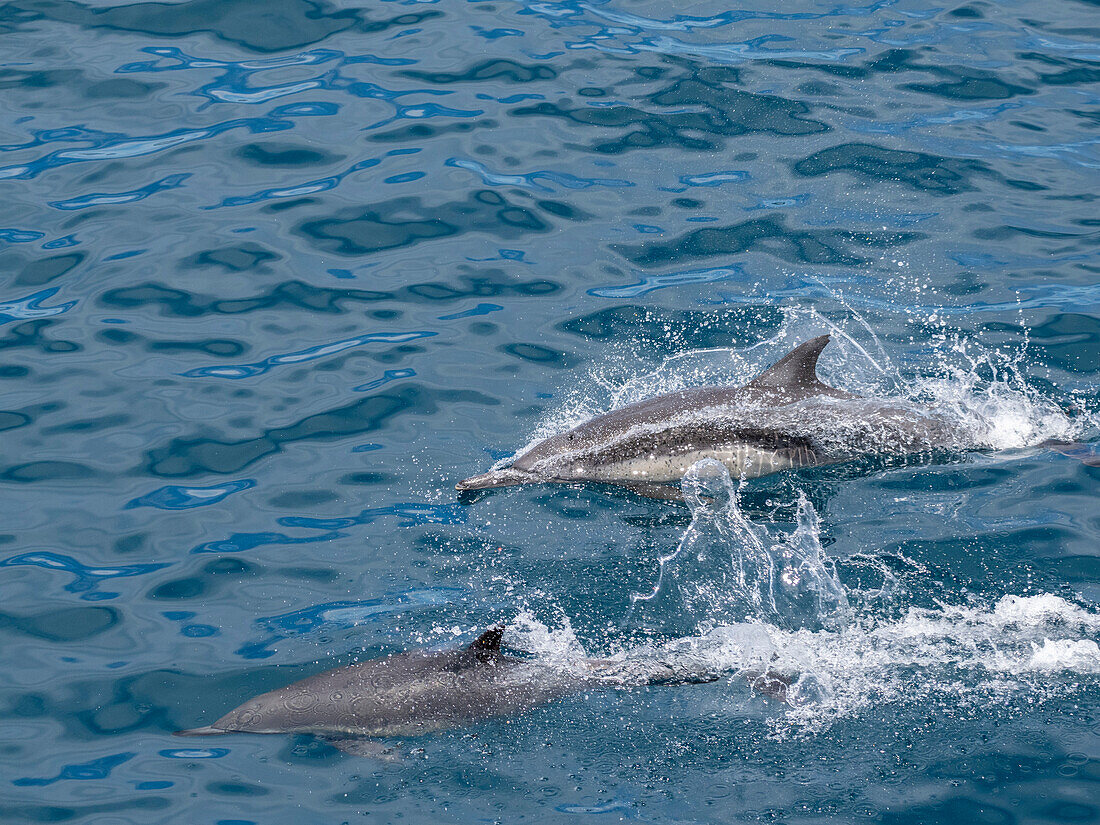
(552, 459)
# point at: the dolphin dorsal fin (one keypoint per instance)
(796, 373)
(488, 643)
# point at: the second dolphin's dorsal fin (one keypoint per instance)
(795, 374)
(488, 643)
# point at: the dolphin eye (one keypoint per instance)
(570, 436)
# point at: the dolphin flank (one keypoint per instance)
(784, 418)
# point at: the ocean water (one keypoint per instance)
(276, 275)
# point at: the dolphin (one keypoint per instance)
(784, 418)
(420, 691)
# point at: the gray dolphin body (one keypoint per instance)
(420, 691)
(405, 694)
(784, 418)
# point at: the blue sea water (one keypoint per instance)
(276, 275)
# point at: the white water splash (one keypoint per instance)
(1022, 650)
(554, 646)
(1082, 656)
(727, 569)
(739, 601)
(1036, 647)
(793, 617)
(988, 394)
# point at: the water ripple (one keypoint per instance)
(713, 179)
(311, 187)
(239, 371)
(649, 283)
(531, 179)
(423, 111)
(720, 52)
(111, 198)
(31, 307)
(185, 498)
(480, 309)
(96, 769)
(686, 23)
(183, 60)
(341, 614)
(115, 147)
(385, 378)
(13, 235)
(411, 513)
(194, 753)
(86, 578)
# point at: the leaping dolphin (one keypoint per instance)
(419, 691)
(784, 418)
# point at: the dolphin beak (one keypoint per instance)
(504, 477)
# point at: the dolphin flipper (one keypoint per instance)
(1074, 449)
(651, 489)
(361, 746)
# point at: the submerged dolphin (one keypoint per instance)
(784, 418)
(420, 691)
(400, 695)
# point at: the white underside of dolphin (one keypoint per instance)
(785, 418)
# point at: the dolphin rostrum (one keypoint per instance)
(419, 691)
(785, 417)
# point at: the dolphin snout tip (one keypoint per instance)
(505, 477)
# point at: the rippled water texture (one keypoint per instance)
(276, 275)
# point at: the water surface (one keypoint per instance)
(275, 276)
